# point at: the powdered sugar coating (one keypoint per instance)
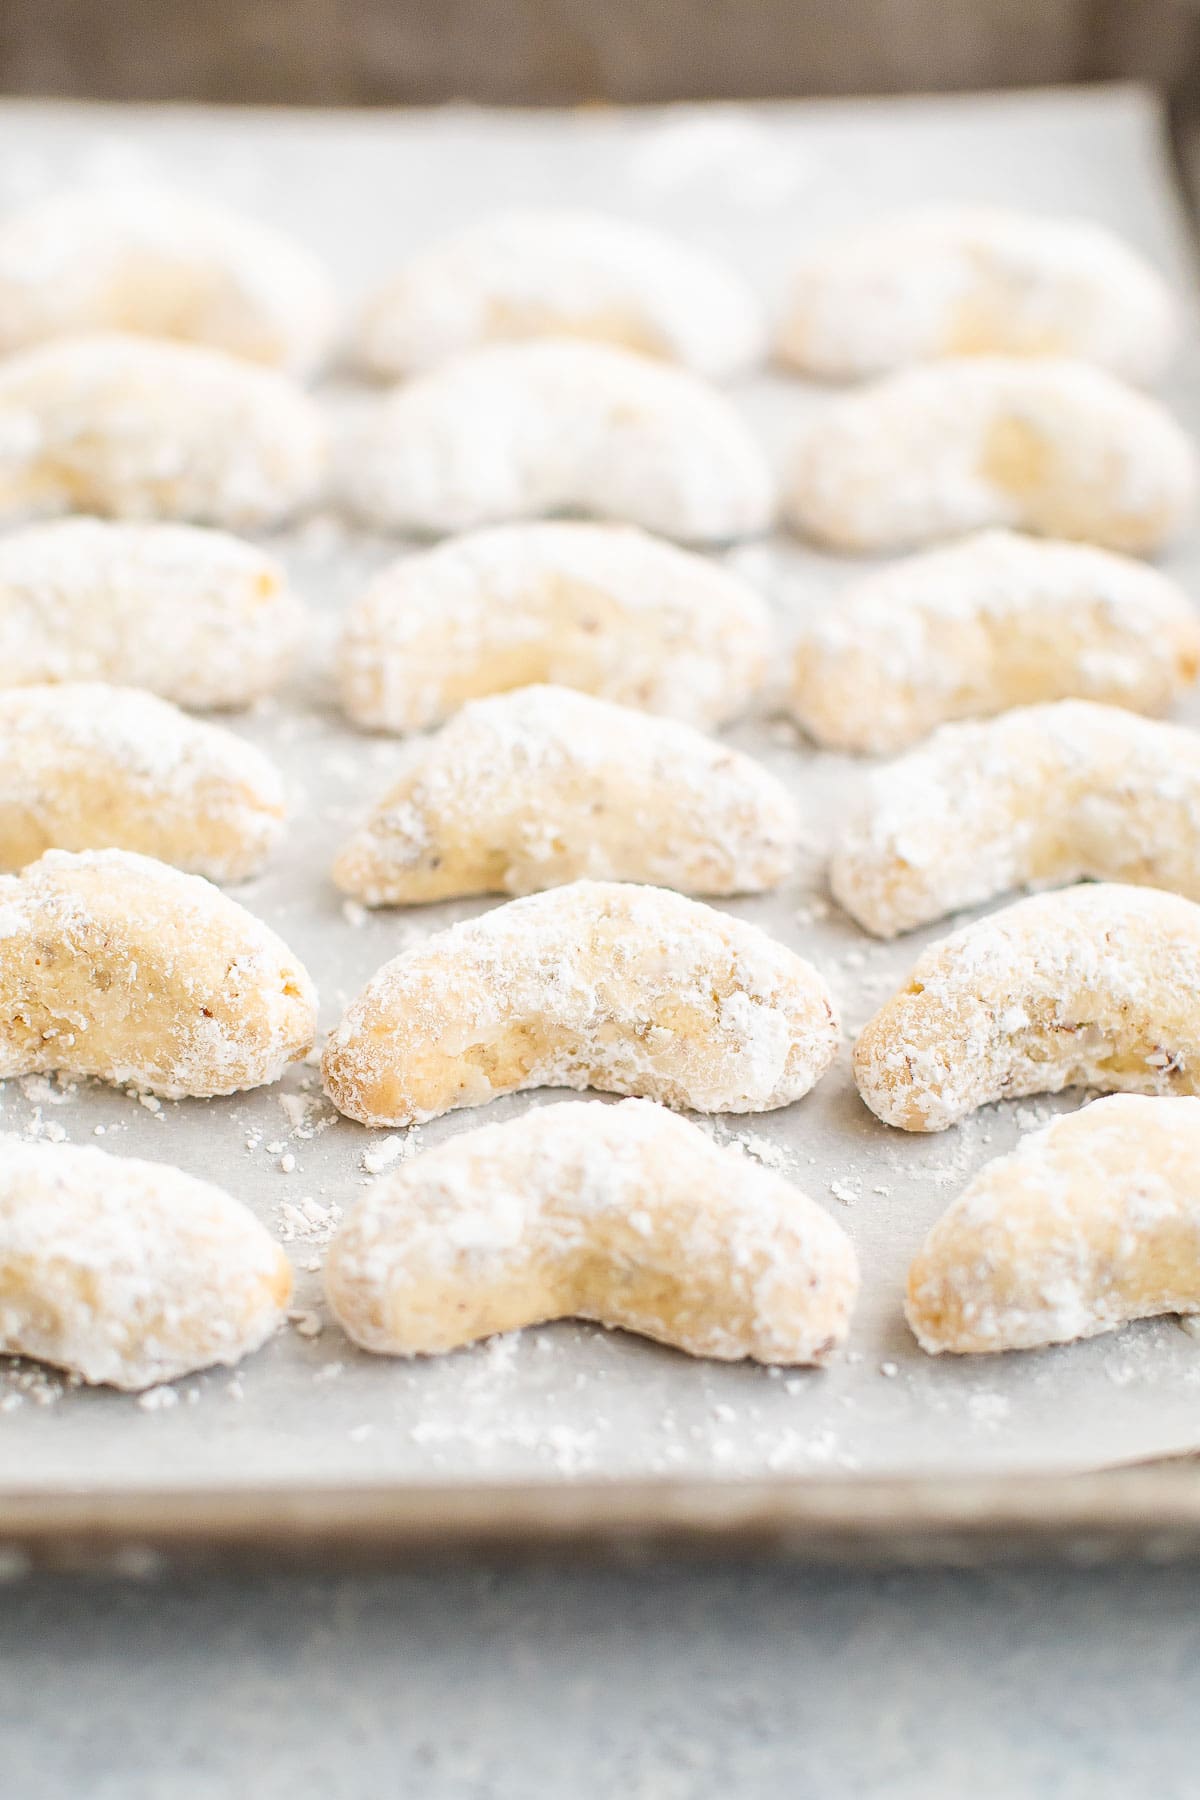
(524, 430)
(1091, 986)
(142, 428)
(114, 965)
(87, 766)
(1040, 796)
(634, 990)
(624, 1214)
(995, 621)
(1089, 1223)
(148, 259)
(1043, 444)
(193, 615)
(127, 1272)
(971, 280)
(545, 785)
(559, 271)
(603, 608)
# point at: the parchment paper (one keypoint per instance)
(569, 1400)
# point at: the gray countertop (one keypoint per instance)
(656, 1684)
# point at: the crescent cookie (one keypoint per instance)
(151, 260)
(1091, 986)
(603, 608)
(544, 785)
(969, 281)
(117, 966)
(1089, 1223)
(1044, 445)
(84, 766)
(558, 272)
(195, 616)
(1038, 797)
(995, 621)
(633, 990)
(141, 428)
(129, 1273)
(525, 430)
(623, 1214)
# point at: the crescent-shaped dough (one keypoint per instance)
(633, 990)
(1035, 798)
(544, 785)
(196, 616)
(995, 621)
(1091, 986)
(144, 258)
(1044, 445)
(141, 428)
(117, 966)
(604, 608)
(558, 272)
(972, 280)
(1090, 1222)
(85, 766)
(525, 430)
(129, 1273)
(623, 1214)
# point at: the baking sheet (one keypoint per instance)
(569, 1402)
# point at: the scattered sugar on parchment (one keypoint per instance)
(47, 1130)
(287, 1163)
(40, 1090)
(307, 1115)
(306, 1324)
(842, 1191)
(572, 1451)
(158, 1399)
(812, 911)
(989, 1408)
(761, 1149)
(396, 1148)
(307, 1220)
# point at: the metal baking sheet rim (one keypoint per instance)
(1150, 1512)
